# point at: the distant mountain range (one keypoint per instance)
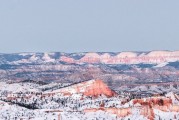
(115, 69)
(153, 57)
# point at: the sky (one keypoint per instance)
(88, 25)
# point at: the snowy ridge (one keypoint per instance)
(152, 57)
(127, 58)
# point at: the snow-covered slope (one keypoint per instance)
(88, 100)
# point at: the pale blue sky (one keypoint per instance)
(88, 25)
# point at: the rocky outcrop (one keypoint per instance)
(93, 88)
(148, 105)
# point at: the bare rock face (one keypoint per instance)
(160, 103)
(93, 88)
(98, 87)
(154, 101)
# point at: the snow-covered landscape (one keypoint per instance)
(89, 60)
(90, 86)
(87, 100)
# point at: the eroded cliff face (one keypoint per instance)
(93, 88)
(148, 105)
(142, 107)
